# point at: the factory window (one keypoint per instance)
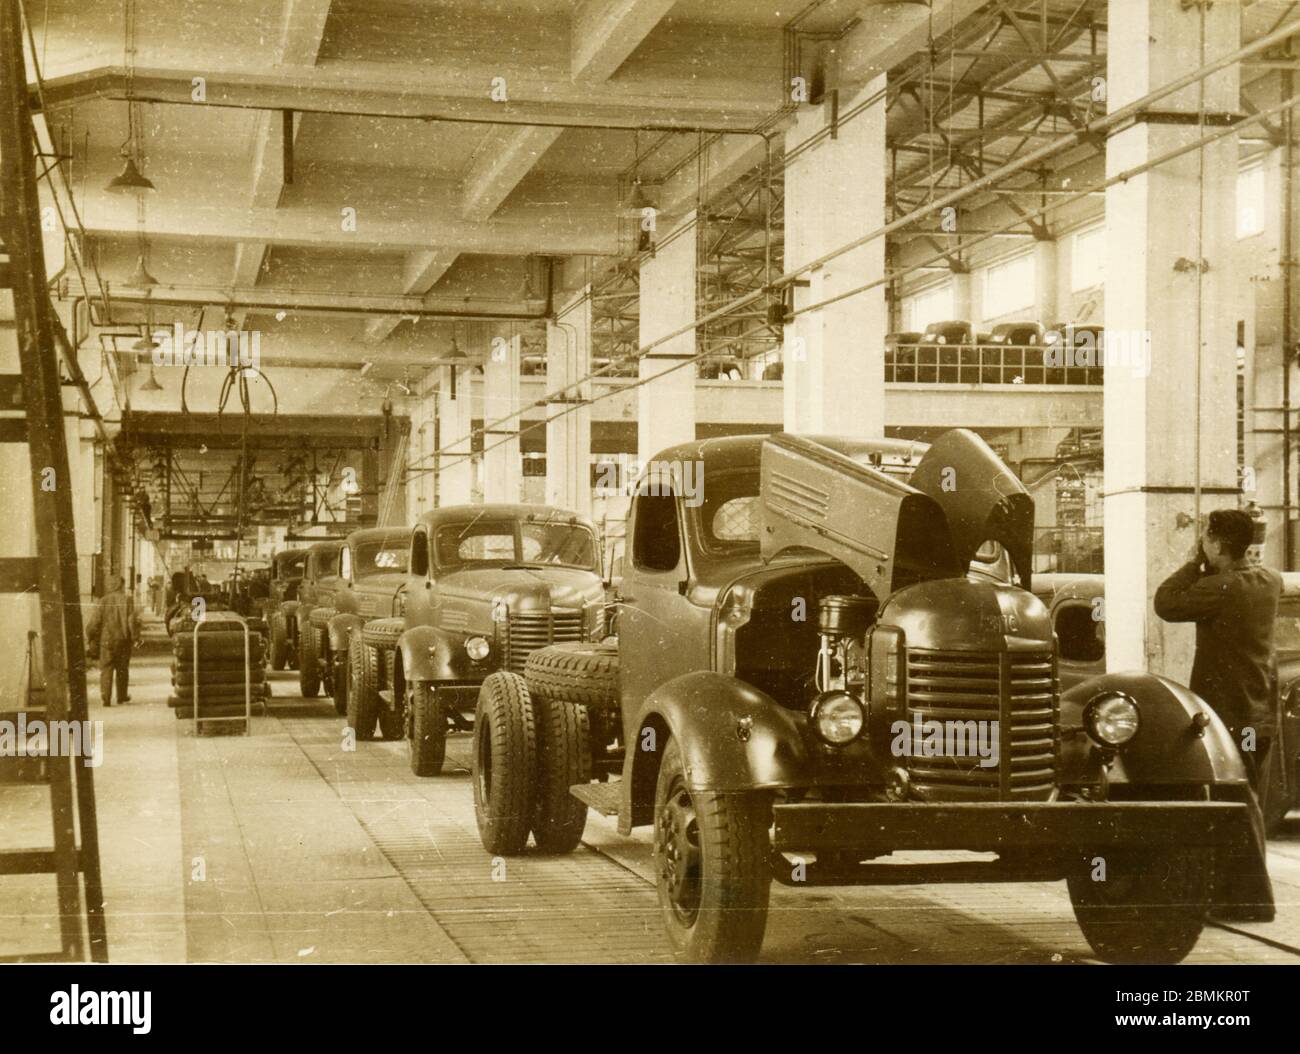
(1088, 258)
(1009, 286)
(1250, 200)
(929, 305)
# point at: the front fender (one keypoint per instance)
(430, 654)
(732, 738)
(1166, 749)
(341, 627)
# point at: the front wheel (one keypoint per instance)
(1143, 906)
(339, 681)
(427, 735)
(504, 766)
(712, 867)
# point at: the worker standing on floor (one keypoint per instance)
(111, 633)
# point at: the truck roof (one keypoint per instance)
(745, 451)
(502, 511)
(378, 534)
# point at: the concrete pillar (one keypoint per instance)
(1045, 281)
(666, 405)
(834, 356)
(502, 469)
(455, 420)
(568, 437)
(1153, 419)
(963, 298)
(421, 478)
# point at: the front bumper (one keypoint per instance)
(878, 828)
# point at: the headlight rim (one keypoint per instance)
(1090, 722)
(819, 704)
(484, 652)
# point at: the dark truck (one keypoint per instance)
(815, 669)
(1076, 603)
(316, 590)
(371, 574)
(486, 586)
(282, 606)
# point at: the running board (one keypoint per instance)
(605, 798)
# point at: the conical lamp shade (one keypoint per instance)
(637, 200)
(151, 382)
(130, 179)
(140, 278)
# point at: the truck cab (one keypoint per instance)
(286, 571)
(316, 590)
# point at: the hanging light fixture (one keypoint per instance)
(527, 292)
(151, 382)
(140, 278)
(130, 180)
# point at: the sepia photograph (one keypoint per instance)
(650, 482)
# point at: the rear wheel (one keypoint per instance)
(363, 702)
(339, 680)
(712, 868)
(504, 765)
(563, 759)
(1143, 905)
(279, 642)
(427, 732)
(308, 663)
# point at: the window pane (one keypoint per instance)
(929, 305)
(1009, 286)
(1088, 259)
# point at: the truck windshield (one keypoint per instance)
(291, 566)
(375, 558)
(1286, 631)
(511, 542)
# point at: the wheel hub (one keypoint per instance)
(677, 844)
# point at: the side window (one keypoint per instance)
(657, 543)
(1078, 634)
(345, 563)
(419, 553)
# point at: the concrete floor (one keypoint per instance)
(283, 847)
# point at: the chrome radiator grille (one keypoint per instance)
(526, 633)
(1019, 690)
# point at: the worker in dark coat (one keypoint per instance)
(113, 630)
(1234, 605)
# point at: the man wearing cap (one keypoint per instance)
(111, 633)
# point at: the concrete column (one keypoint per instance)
(834, 356)
(455, 419)
(666, 406)
(963, 298)
(1045, 280)
(568, 437)
(419, 452)
(502, 469)
(1156, 290)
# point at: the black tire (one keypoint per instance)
(383, 633)
(233, 675)
(392, 719)
(1151, 906)
(339, 680)
(363, 702)
(563, 759)
(279, 642)
(586, 674)
(504, 766)
(309, 664)
(426, 739)
(1279, 787)
(712, 867)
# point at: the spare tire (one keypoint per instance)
(383, 633)
(583, 673)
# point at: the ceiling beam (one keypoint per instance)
(504, 157)
(420, 273)
(605, 32)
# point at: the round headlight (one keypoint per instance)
(837, 717)
(477, 648)
(1112, 719)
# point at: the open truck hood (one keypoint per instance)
(816, 494)
(820, 492)
(982, 499)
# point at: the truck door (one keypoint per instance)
(661, 632)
